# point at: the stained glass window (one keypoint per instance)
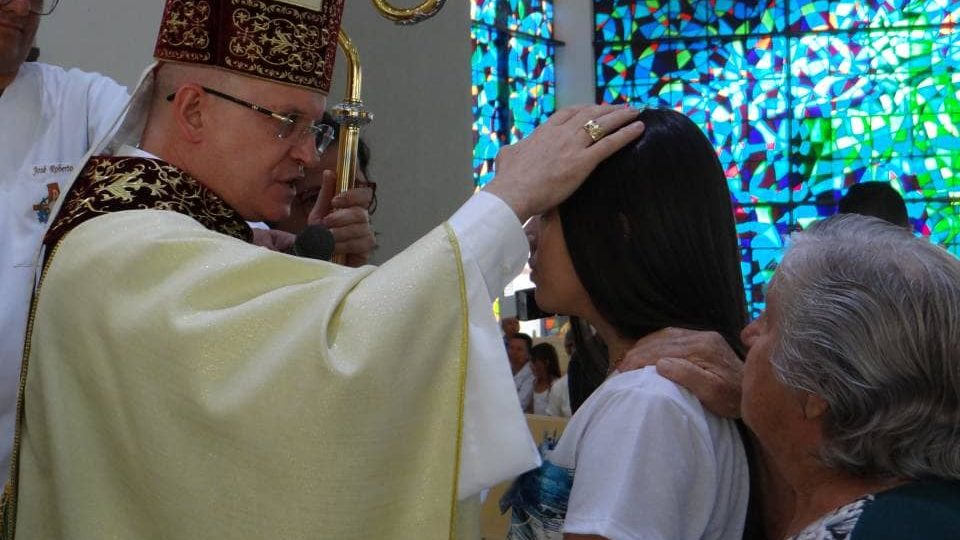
(513, 75)
(801, 100)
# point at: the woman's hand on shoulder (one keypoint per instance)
(700, 361)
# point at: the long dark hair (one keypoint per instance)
(651, 235)
(652, 238)
(546, 353)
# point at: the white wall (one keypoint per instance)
(114, 37)
(573, 24)
(416, 82)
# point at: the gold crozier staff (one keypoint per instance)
(351, 113)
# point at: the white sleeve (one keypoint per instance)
(496, 442)
(105, 102)
(525, 394)
(492, 240)
(644, 470)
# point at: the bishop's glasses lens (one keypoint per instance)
(287, 125)
(295, 125)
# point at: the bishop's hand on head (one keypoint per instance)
(544, 169)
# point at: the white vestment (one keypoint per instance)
(184, 383)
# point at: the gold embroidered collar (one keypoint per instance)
(115, 183)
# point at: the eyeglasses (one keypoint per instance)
(38, 7)
(292, 126)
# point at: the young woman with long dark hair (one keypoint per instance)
(648, 242)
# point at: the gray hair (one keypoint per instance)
(869, 320)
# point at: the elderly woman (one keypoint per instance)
(852, 383)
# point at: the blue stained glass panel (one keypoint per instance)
(801, 100)
(512, 75)
(484, 11)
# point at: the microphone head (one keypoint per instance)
(314, 242)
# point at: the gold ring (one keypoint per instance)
(594, 130)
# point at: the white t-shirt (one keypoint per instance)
(554, 401)
(641, 459)
(559, 402)
(49, 118)
(540, 401)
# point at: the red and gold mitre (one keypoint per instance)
(287, 41)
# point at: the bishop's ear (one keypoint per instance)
(188, 105)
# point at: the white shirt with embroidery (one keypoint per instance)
(49, 118)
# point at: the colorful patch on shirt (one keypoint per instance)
(43, 207)
(539, 499)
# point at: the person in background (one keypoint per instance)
(345, 215)
(852, 383)
(546, 373)
(518, 352)
(510, 327)
(49, 118)
(876, 199)
(319, 181)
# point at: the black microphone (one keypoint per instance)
(314, 242)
